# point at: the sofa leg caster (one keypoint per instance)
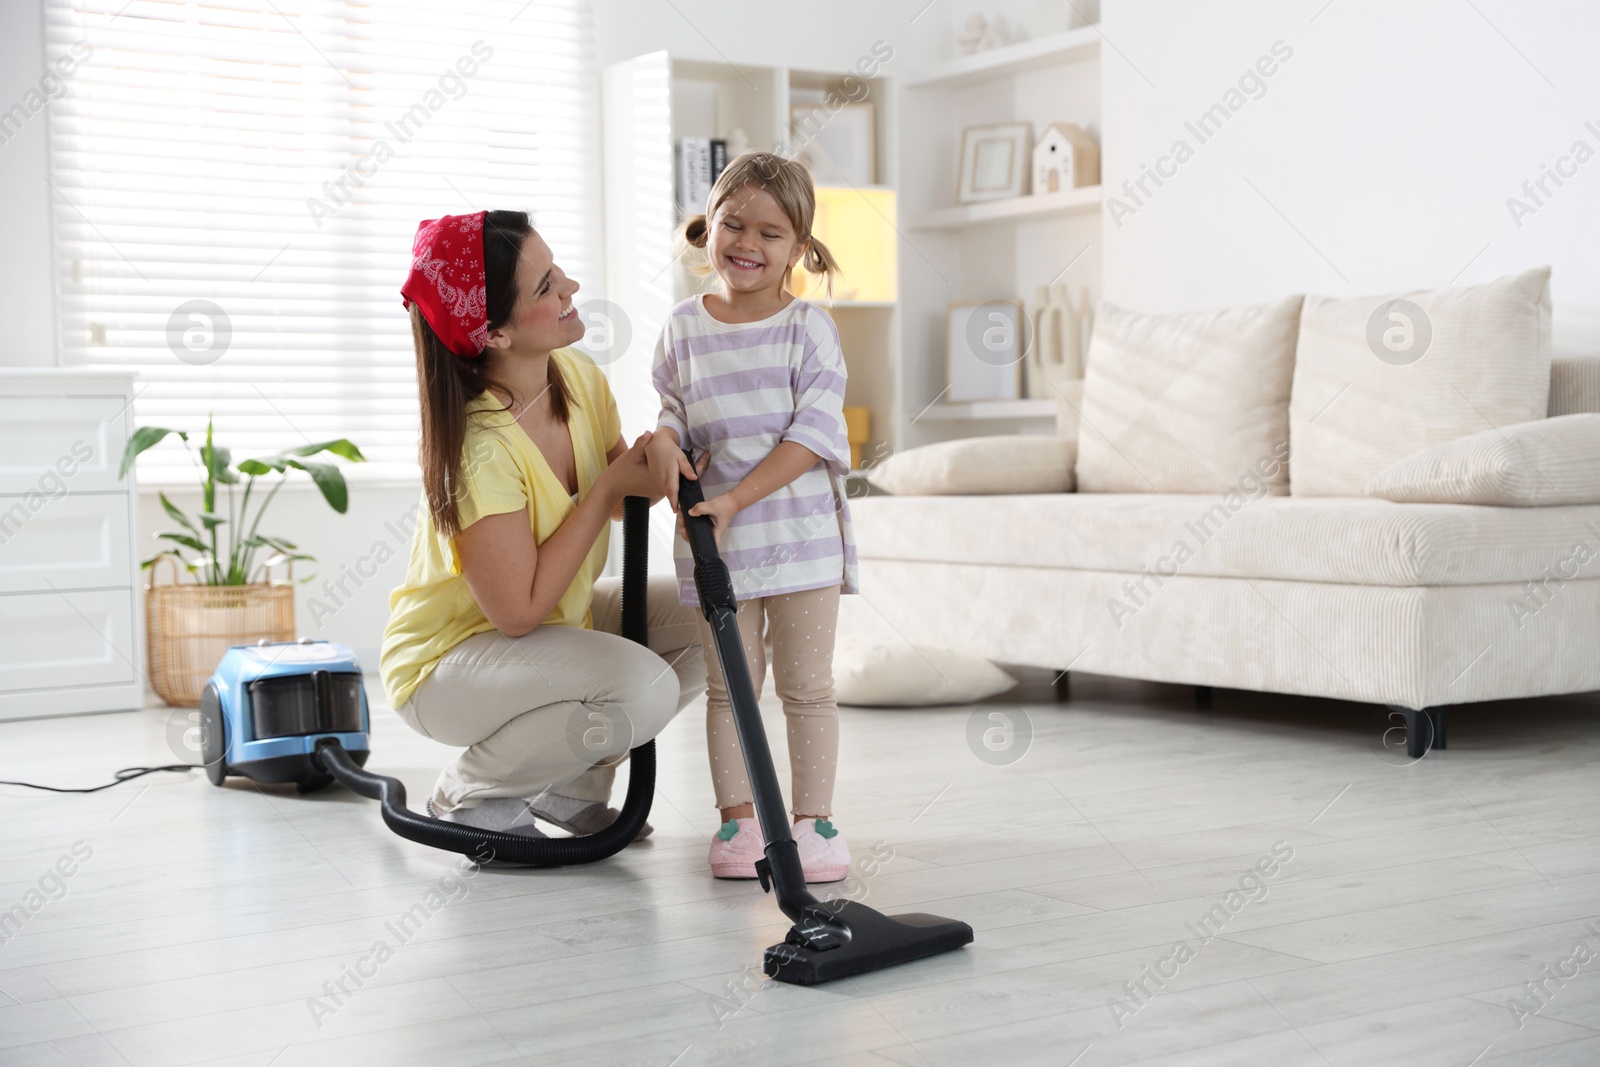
(1424, 730)
(1063, 688)
(1202, 697)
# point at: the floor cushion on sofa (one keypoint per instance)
(893, 673)
(1359, 540)
(1379, 378)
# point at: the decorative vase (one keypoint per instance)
(1057, 353)
(1085, 330)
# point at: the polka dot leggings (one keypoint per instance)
(801, 626)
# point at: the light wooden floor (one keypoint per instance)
(1417, 901)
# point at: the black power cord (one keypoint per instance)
(127, 774)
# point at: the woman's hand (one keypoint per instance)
(629, 474)
(668, 463)
(722, 509)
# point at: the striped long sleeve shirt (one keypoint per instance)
(739, 390)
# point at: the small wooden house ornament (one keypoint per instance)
(1065, 157)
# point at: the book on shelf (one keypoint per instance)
(719, 157)
(698, 162)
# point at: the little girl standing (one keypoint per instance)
(752, 379)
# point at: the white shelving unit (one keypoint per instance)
(991, 409)
(1004, 249)
(1086, 199)
(1011, 60)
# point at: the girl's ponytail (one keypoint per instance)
(818, 260)
(693, 233)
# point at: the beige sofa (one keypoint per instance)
(1411, 605)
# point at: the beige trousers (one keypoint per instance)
(800, 627)
(558, 708)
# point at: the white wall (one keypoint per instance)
(821, 35)
(1379, 157)
(26, 276)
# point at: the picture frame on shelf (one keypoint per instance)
(985, 342)
(840, 146)
(994, 162)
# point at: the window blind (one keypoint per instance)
(236, 186)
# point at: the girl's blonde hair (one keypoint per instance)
(789, 183)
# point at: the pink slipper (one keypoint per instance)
(735, 849)
(824, 857)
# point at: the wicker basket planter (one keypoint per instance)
(189, 626)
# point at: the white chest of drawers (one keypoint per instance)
(71, 635)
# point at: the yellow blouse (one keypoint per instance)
(503, 471)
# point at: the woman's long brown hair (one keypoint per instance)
(446, 382)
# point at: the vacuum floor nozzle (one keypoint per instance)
(838, 938)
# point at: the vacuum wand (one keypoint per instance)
(782, 861)
(833, 938)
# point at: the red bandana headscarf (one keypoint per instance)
(447, 281)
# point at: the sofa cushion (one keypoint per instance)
(1378, 378)
(1005, 463)
(1361, 541)
(1539, 463)
(1574, 384)
(1185, 403)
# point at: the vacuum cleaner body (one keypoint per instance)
(269, 705)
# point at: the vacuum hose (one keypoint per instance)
(514, 848)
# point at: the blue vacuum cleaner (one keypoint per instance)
(268, 705)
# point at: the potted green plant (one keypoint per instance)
(232, 601)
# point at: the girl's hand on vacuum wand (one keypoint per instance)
(721, 509)
(668, 463)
